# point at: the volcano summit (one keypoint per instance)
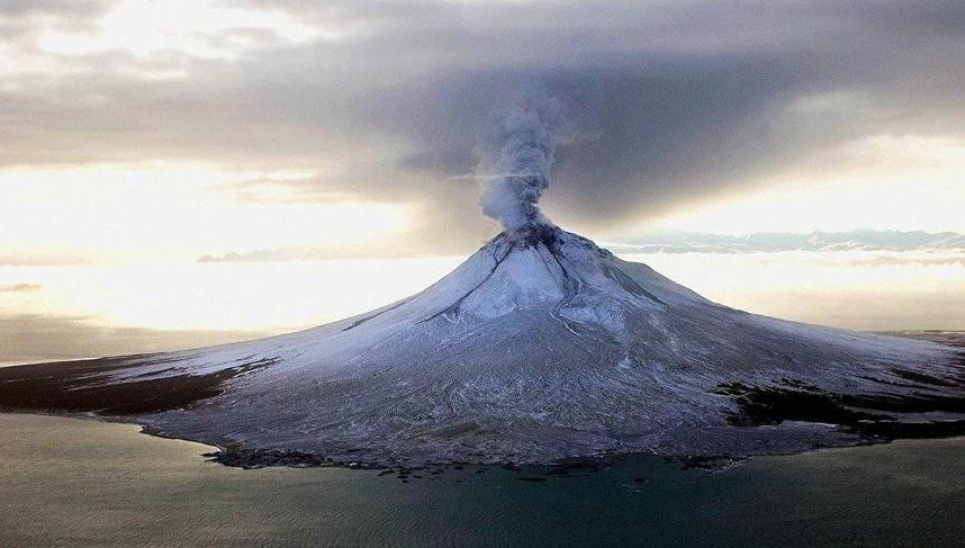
(541, 346)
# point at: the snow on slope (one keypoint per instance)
(542, 346)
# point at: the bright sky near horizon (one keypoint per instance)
(169, 211)
(138, 132)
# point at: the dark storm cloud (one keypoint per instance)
(673, 101)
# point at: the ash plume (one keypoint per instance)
(516, 156)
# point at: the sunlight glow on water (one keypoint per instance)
(270, 295)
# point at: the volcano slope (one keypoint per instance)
(540, 347)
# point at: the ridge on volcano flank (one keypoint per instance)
(540, 347)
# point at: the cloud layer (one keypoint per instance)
(857, 240)
(384, 100)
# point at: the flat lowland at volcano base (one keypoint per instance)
(78, 387)
(88, 483)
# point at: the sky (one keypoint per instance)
(168, 132)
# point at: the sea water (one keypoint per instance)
(86, 483)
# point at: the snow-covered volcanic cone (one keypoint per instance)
(541, 346)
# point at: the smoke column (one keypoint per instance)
(519, 150)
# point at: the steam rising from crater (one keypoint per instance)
(516, 156)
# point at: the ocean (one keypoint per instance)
(70, 482)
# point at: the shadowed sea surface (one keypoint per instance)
(84, 483)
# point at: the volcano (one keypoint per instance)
(540, 347)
